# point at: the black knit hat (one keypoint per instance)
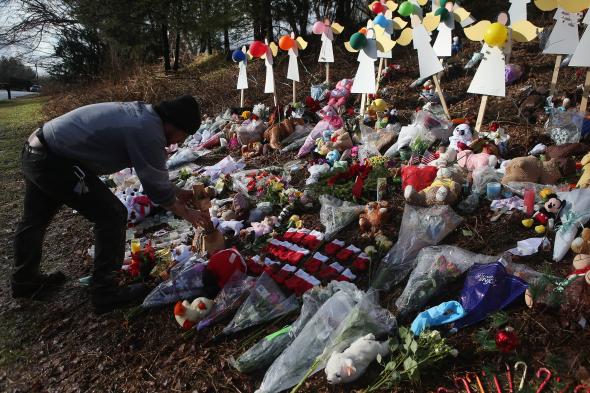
(183, 112)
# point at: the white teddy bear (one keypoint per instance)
(349, 365)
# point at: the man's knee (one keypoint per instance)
(115, 215)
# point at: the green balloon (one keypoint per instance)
(358, 41)
(406, 8)
(442, 12)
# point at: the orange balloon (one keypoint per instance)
(363, 30)
(286, 42)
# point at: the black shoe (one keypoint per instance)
(36, 284)
(109, 299)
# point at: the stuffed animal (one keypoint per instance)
(533, 170)
(277, 132)
(241, 206)
(188, 314)
(566, 150)
(461, 137)
(349, 365)
(547, 214)
(252, 149)
(467, 159)
(581, 247)
(330, 121)
(371, 220)
(584, 181)
(443, 191)
(250, 131)
(340, 94)
(139, 208)
(418, 177)
(258, 229)
(340, 140)
(446, 158)
(202, 196)
(332, 156)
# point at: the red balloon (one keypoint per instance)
(257, 49)
(377, 7)
(506, 340)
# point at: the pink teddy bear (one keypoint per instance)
(471, 161)
(340, 94)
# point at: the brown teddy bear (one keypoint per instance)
(531, 169)
(443, 191)
(277, 132)
(584, 181)
(375, 214)
(581, 262)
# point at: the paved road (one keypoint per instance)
(15, 94)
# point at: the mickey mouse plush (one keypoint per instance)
(548, 213)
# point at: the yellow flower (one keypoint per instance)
(545, 192)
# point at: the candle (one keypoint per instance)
(135, 246)
(493, 190)
(529, 200)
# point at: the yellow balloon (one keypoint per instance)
(496, 34)
(379, 104)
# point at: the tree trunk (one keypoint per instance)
(166, 46)
(226, 47)
(209, 44)
(256, 20)
(303, 16)
(268, 20)
(344, 13)
(177, 51)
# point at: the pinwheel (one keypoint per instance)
(241, 57)
(581, 58)
(327, 30)
(292, 45)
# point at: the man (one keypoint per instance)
(61, 163)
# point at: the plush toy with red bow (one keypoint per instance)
(340, 94)
(188, 314)
(581, 247)
(461, 138)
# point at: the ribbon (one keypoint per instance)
(570, 219)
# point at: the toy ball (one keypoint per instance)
(286, 42)
(318, 27)
(381, 20)
(379, 104)
(496, 34)
(406, 8)
(377, 7)
(257, 49)
(358, 41)
(238, 56)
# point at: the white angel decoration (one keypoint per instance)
(240, 56)
(581, 58)
(518, 10)
(327, 30)
(448, 13)
(292, 46)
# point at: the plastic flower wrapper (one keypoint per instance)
(421, 227)
(227, 301)
(265, 303)
(336, 214)
(264, 352)
(250, 180)
(226, 166)
(186, 282)
(564, 126)
(437, 267)
(518, 188)
(573, 215)
(291, 366)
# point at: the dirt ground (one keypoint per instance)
(57, 344)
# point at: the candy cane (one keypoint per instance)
(497, 383)
(465, 384)
(547, 373)
(580, 387)
(525, 367)
(509, 377)
(479, 384)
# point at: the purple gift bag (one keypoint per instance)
(488, 288)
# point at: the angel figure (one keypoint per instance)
(327, 30)
(517, 10)
(271, 51)
(448, 14)
(243, 75)
(295, 46)
(581, 57)
(364, 80)
(564, 37)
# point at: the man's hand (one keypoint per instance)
(198, 218)
(185, 196)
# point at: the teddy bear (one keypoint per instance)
(188, 314)
(533, 170)
(375, 214)
(443, 191)
(584, 181)
(581, 247)
(340, 140)
(252, 149)
(340, 94)
(279, 131)
(471, 161)
(202, 196)
(347, 366)
(461, 138)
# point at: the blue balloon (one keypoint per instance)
(381, 20)
(238, 56)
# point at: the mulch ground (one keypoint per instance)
(58, 345)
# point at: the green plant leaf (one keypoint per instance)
(414, 346)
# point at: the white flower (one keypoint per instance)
(454, 352)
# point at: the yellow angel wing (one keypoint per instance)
(399, 23)
(573, 5)
(274, 48)
(476, 32)
(524, 31)
(422, 3)
(337, 28)
(546, 5)
(391, 5)
(431, 21)
(349, 48)
(405, 37)
(301, 43)
(384, 41)
(461, 14)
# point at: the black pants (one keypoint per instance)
(50, 182)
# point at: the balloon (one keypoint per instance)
(363, 30)
(379, 104)
(238, 56)
(442, 12)
(257, 48)
(358, 41)
(318, 27)
(286, 42)
(381, 20)
(496, 34)
(377, 7)
(406, 8)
